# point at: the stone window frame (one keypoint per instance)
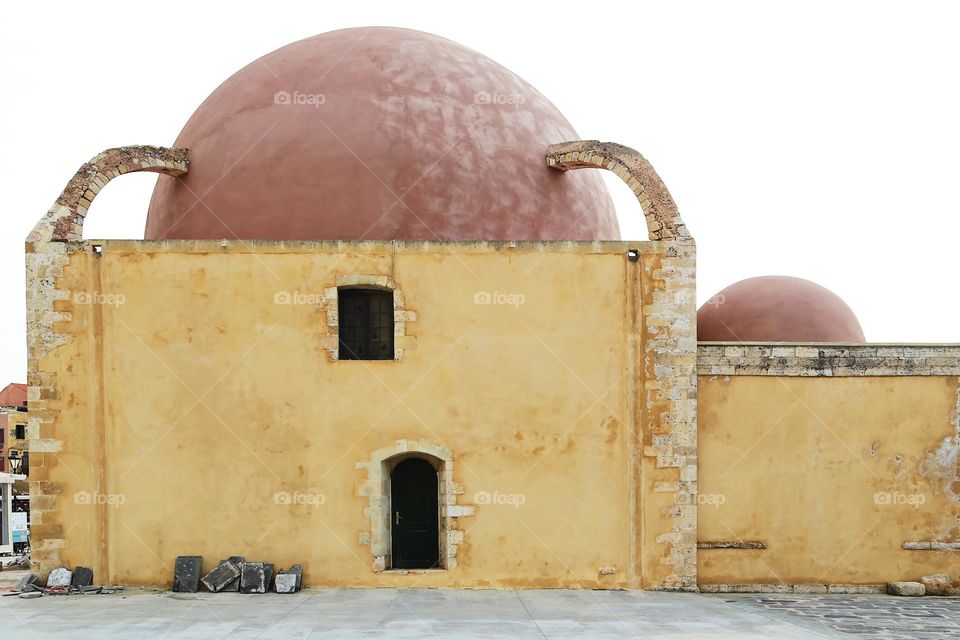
(376, 488)
(401, 314)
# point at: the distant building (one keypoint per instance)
(14, 455)
(12, 520)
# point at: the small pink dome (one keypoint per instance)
(777, 309)
(378, 133)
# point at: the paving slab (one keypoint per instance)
(472, 615)
(867, 615)
(394, 613)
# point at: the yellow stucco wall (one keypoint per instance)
(832, 474)
(187, 399)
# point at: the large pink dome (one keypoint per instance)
(378, 133)
(777, 309)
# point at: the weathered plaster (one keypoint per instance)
(828, 471)
(178, 370)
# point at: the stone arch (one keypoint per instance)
(401, 314)
(659, 209)
(64, 220)
(376, 488)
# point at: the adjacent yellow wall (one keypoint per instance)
(189, 399)
(833, 474)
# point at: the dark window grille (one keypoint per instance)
(366, 324)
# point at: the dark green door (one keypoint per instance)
(414, 515)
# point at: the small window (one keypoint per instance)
(20, 431)
(366, 324)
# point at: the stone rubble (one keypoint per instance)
(253, 578)
(220, 577)
(937, 585)
(60, 577)
(912, 589)
(234, 585)
(186, 574)
(82, 577)
(285, 583)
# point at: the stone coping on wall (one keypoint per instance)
(827, 359)
(645, 247)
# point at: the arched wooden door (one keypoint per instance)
(414, 515)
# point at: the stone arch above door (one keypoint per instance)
(376, 489)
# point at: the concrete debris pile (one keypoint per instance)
(938, 584)
(60, 581)
(12, 564)
(235, 574)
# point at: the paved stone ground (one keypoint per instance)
(436, 613)
(871, 616)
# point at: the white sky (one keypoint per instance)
(815, 139)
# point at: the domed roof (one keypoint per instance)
(378, 133)
(777, 309)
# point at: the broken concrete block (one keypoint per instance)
(285, 583)
(225, 573)
(936, 585)
(91, 589)
(59, 578)
(252, 578)
(31, 594)
(268, 571)
(24, 582)
(234, 585)
(82, 577)
(912, 589)
(186, 574)
(297, 570)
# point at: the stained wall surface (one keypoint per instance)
(185, 401)
(833, 474)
